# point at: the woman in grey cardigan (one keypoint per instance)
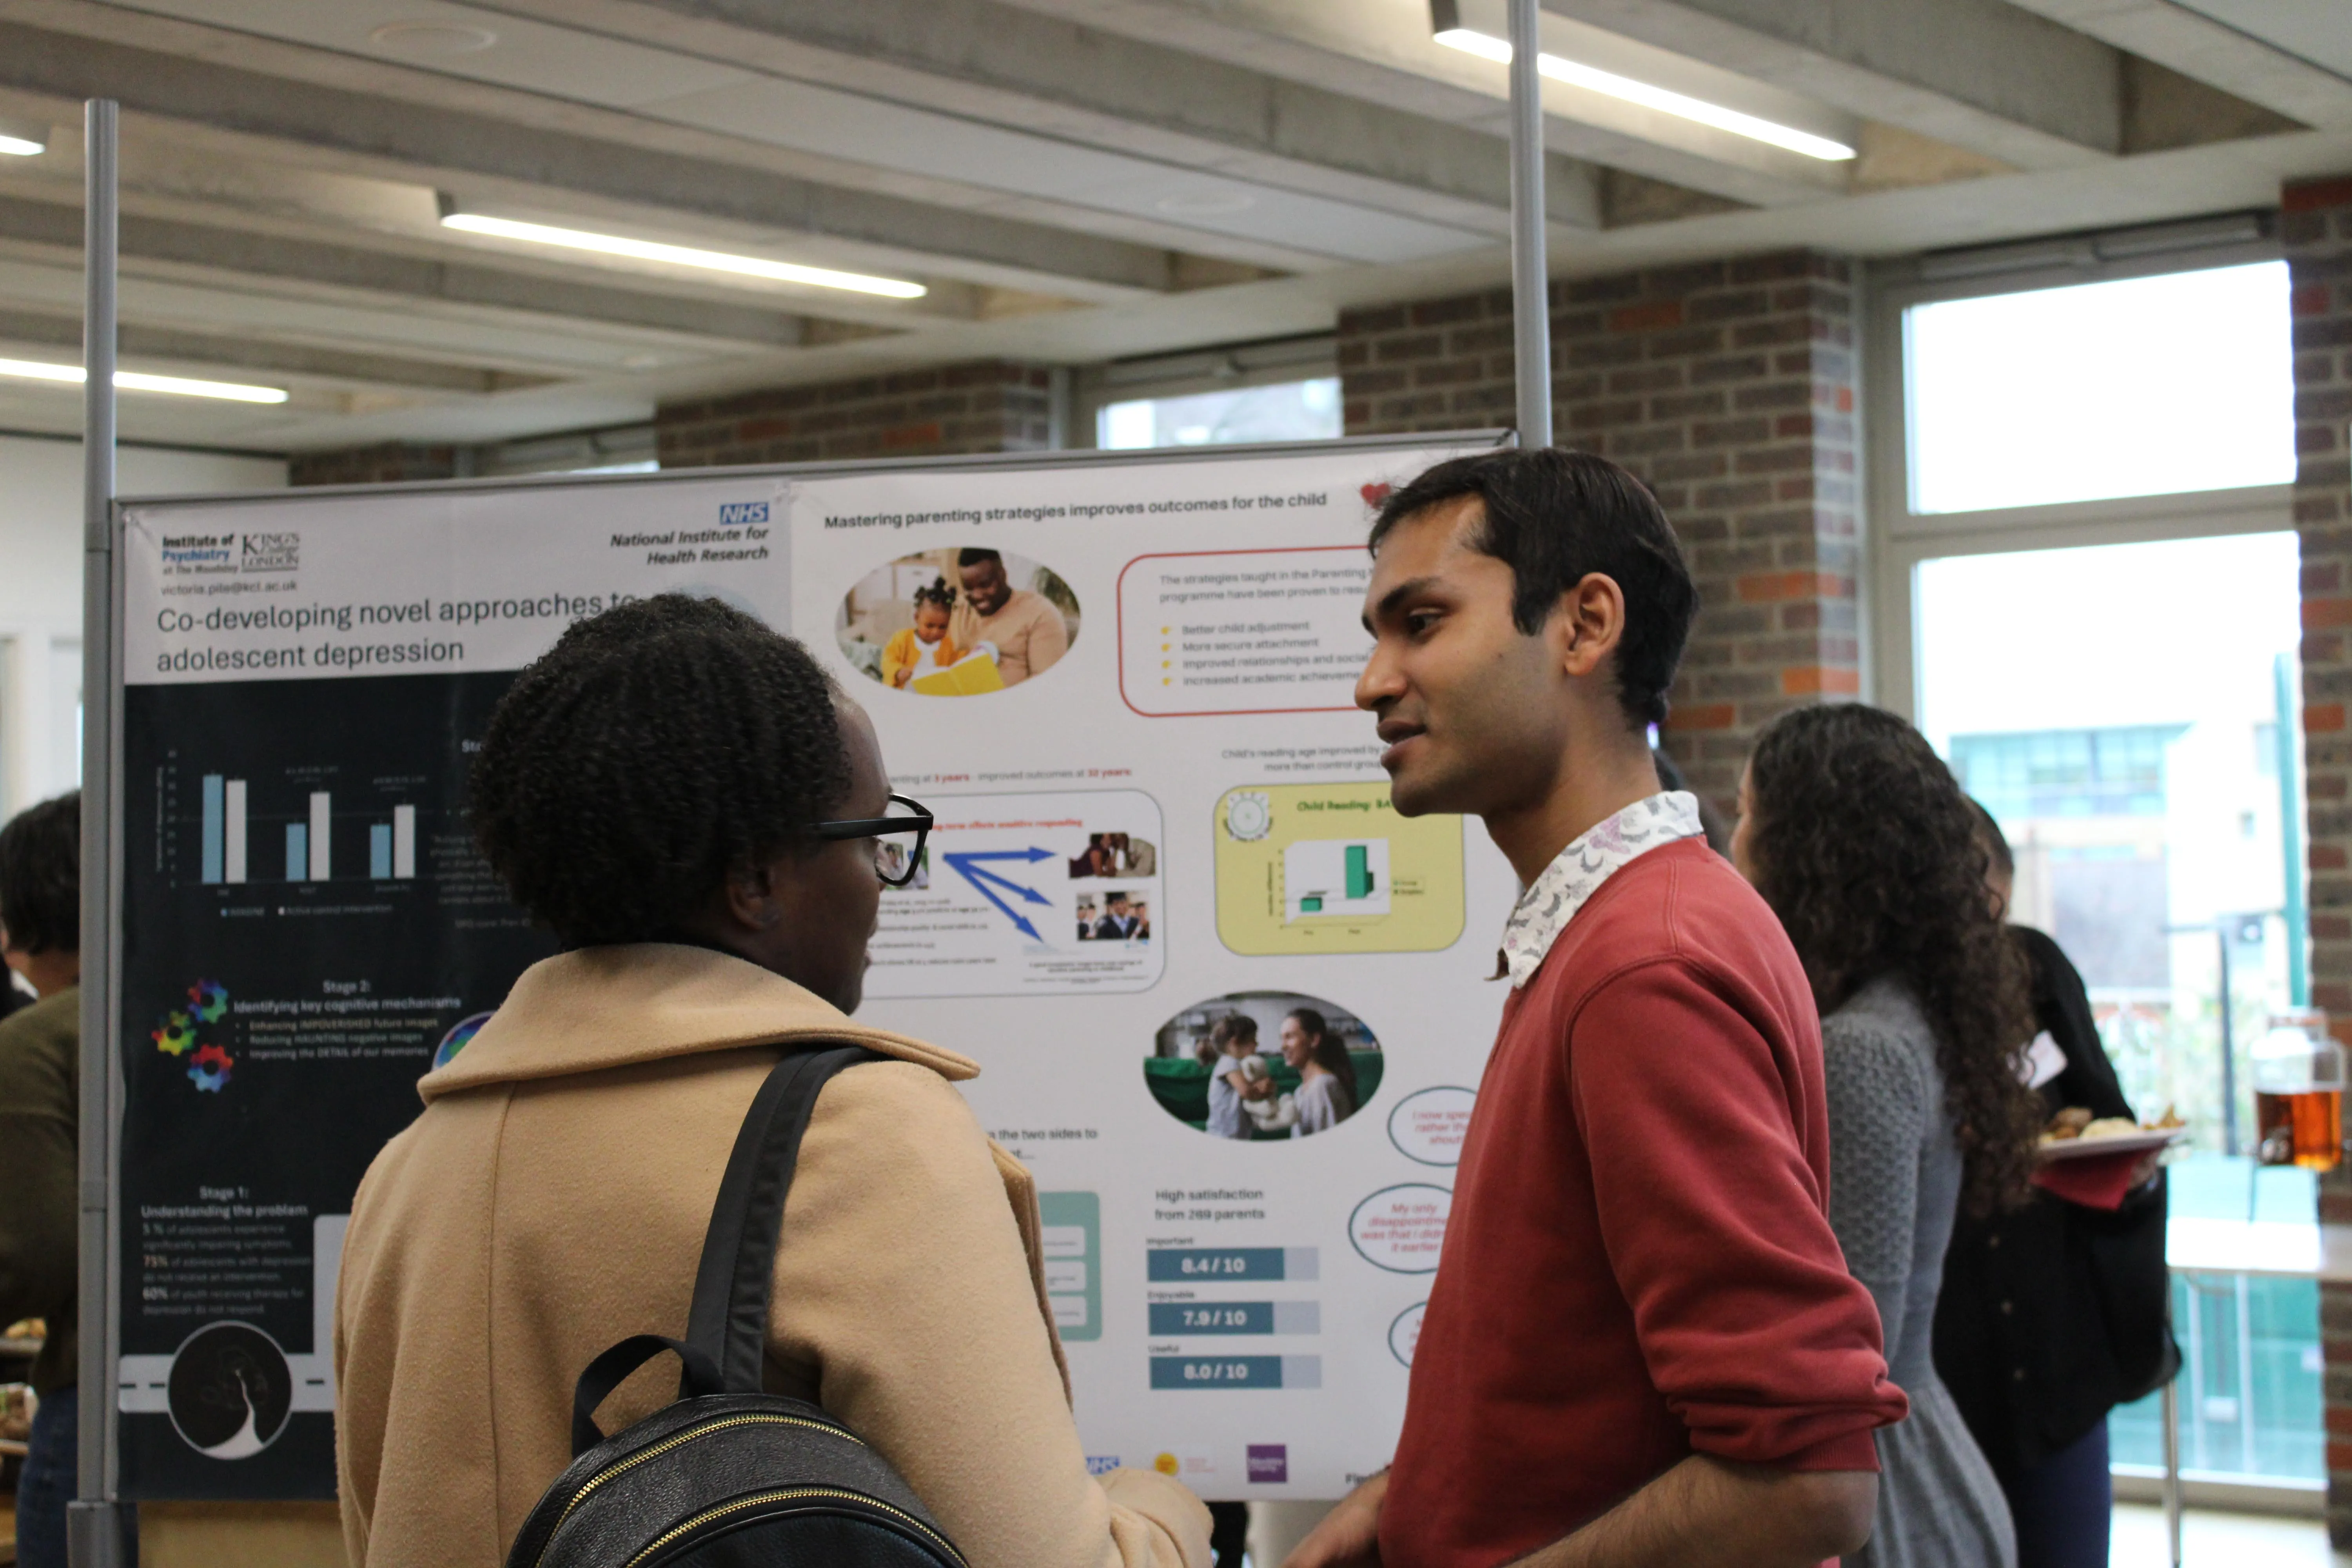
(1857, 835)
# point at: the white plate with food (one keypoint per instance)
(2091, 1145)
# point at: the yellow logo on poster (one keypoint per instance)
(1166, 1464)
(1333, 869)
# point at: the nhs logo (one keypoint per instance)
(735, 513)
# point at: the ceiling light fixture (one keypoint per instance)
(134, 381)
(1487, 47)
(682, 256)
(24, 138)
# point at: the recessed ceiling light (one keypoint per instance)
(135, 381)
(682, 256)
(1681, 105)
(431, 40)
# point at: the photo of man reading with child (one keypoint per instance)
(957, 622)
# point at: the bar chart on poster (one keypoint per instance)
(225, 836)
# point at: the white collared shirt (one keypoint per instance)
(1590, 858)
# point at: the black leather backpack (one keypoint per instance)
(730, 1477)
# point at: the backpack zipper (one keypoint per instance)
(707, 1515)
(665, 1445)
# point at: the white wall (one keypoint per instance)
(41, 591)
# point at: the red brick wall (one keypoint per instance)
(953, 409)
(1729, 387)
(395, 462)
(2315, 223)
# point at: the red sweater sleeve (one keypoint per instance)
(1698, 1120)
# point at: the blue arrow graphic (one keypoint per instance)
(963, 864)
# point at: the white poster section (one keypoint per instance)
(1178, 818)
(1158, 808)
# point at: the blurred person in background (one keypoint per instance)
(1853, 830)
(2054, 1313)
(40, 1123)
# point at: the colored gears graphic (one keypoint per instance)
(211, 999)
(211, 1070)
(177, 1034)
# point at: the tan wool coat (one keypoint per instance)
(552, 1198)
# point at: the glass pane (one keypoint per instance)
(2144, 387)
(2140, 793)
(1292, 411)
(2118, 710)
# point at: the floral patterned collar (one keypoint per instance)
(1552, 899)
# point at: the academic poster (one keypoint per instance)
(1125, 689)
(1161, 824)
(306, 926)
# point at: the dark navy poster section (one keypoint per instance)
(307, 927)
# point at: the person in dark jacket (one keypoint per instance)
(2056, 1313)
(40, 1057)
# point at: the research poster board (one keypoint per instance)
(1171, 812)
(1158, 809)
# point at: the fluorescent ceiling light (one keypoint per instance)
(1487, 47)
(20, 147)
(682, 256)
(134, 381)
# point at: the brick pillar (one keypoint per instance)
(990, 406)
(2316, 225)
(394, 462)
(1729, 387)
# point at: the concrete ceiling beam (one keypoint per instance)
(2212, 52)
(1978, 74)
(246, 254)
(1384, 51)
(390, 134)
(1055, 77)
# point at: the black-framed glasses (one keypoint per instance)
(897, 864)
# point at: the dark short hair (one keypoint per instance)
(655, 748)
(977, 558)
(40, 876)
(1553, 516)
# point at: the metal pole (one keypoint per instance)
(2171, 1406)
(2298, 923)
(96, 1533)
(1530, 282)
(2221, 929)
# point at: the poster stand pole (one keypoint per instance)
(1530, 279)
(95, 1521)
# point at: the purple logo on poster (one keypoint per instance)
(1269, 1463)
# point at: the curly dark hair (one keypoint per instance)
(40, 876)
(936, 592)
(1869, 853)
(654, 749)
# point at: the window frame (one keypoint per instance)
(1229, 369)
(1897, 539)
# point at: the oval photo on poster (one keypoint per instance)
(959, 621)
(1252, 1066)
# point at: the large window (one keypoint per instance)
(2085, 592)
(2143, 386)
(1286, 411)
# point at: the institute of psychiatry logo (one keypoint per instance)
(183, 1035)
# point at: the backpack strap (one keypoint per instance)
(729, 1322)
(612, 1369)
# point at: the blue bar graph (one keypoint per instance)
(216, 829)
(297, 852)
(380, 851)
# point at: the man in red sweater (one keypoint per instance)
(1642, 1346)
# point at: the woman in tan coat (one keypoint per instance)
(650, 789)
